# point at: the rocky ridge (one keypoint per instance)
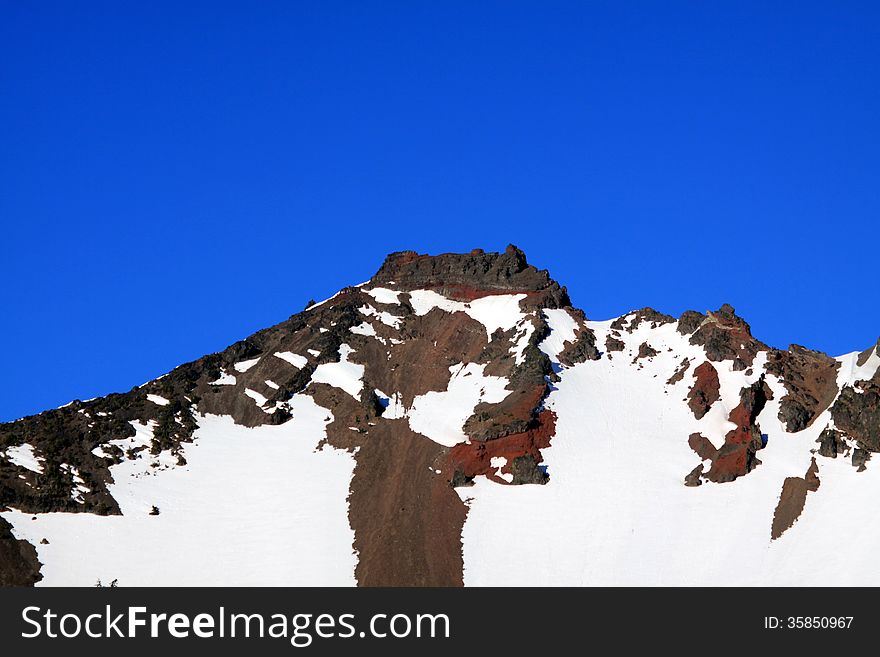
(379, 355)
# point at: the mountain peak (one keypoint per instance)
(388, 415)
(465, 276)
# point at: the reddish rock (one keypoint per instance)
(705, 391)
(467, 460)
(737, 456)
(725, 336)
(702, 446)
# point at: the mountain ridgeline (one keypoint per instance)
(462, 403)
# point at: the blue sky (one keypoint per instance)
(177, 175)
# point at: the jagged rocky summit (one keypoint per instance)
(455, 420)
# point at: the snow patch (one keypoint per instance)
(499, 462)
(384, 295)
(364, 328)
(385, 317)
(224, 379)
(440, 416)
(345, 375)
(24, 456)
(493, 311)
(293, 530)
(257, 397)
(245, 365)
(294, 359)
(562, 329)
(156, 399)
(393, 405)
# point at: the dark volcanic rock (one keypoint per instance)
(859, 458)
(526, 470)
(693, 477)
(725, 336)
(831, 443)
(645, 351)
(792, 500)
(613, 344)
(865, 355)
(631, 321)
(679, 373)
(584, 346)
(857, 414)
(19, 565)
(464, 276)
(810, 379)
(690, 321)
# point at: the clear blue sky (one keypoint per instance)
(177, 175)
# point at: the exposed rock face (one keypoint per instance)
(792, 500)
(810, 378)
(857, 413)
(737, 456)
(407, 517)
(520, 452)
(702, 446)
(679, 373)
(19, 565)
(831, 443)
(860, 458)
(613, 344)
(634, 319)
(646, 351)
(690, 321)
(867, 353)
(466, 276)
(583, 347)
(693, 478)
(416, 330)
(705, 391)
(725, 336)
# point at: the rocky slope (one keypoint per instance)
(450, 421)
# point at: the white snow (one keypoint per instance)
(345, 375)
(245, 365)
(224, 379)
(852, 372)
(257, 397)
(79, 485)
(384, 295)
(499, 462)
(314, 352)
(394, 408)
(616, 512)
(493, 311)
(294, 359)
(286, 524)
(24, 456)
(364, 328)
(272, 384)
(321, 303)
(156, 399)
(440, 416)
(562, 329)
(524, 331)
(385, 317)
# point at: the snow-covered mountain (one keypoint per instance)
(453, 421)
